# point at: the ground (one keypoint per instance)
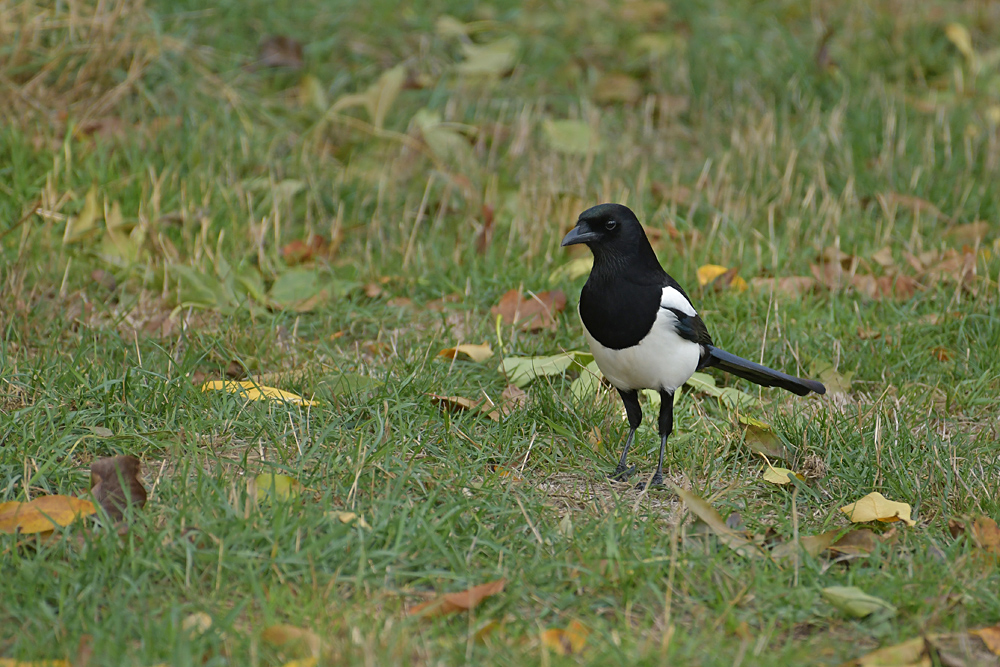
(320, 198)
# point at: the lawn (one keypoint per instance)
(322, 197)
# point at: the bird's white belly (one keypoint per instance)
(661, 361)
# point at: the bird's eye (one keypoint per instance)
(610, 225)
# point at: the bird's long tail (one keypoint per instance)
(762, 375)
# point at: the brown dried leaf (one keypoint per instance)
(857, 542)
(512, 398)
(299, 640)
(915, 204)
(114, 482)
(789, 286)
(280, 51)
(533, 312)
(969, 233)
(735, 540)
(449, 603)
(457, 403)
(986, 534)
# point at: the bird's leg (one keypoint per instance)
(634, 412)
(666, 426)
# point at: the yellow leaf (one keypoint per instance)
(911, 653)
(10, 662)
(42, 514)
(81, 226)
(709, 272)
(255, 392)
(959, 36)
(349, 517)
(304, 662)
(270, 485)
(780, 475)
(761, 438)
(573, 269)
(990, 637)
(378, 98)
(876, 507)
(477, 353)
(197, 623)
(289, 636)
(721, 276)
(489, 60)
(568, 641)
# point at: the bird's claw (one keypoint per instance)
(656, 481)
(621, 473)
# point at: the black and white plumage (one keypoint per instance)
(643, 330)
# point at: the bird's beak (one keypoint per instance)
(579, 234)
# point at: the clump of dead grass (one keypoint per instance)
(73, 59)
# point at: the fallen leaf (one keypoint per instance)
(372, 290)
(196, 624)
(958, 34)
(461, 403)
(378, 98)
(566, 641)
(478, 353)
(884, 257)
(741, 544)
(813, 545)
(81, 226)
(279, 51)
(834, 381)
(644, 12)
(300, 252)
(587, 384)
(42, 514)
(312, 93)
(915, 204)
(719, 277)
(761, 438)
(292, 638)
(788, 286)
(780, 475)
(731, 398)
(115, 484)
(572, 137)
(855, 543)
(990, 635)
(490, 60)
(911, 653)
(987, 534)
(273, 486)
(855, 602)
(254, 392)
(533, 312)
(972, 232)
(10, 662)
(512, 398)
(941, 353)
(616, 87)
(520, 371)
(450, 603)
(349, 517)
(573, 269)
(445, 140)
(876, 507)
(299, 290)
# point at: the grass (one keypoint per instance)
(747, 147)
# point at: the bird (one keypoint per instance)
(642, 328)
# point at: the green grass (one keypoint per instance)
(780, 156)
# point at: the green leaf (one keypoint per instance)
(299, 290)
(489, 60)
(270, 486)
(761, 438)
(378, 98)
(198, 290)
(585, 387)
(729, 397)
(82, 226)
(573, 137)
(444, 139)
(855, 602)
(520, 371)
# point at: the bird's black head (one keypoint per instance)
(614, 235)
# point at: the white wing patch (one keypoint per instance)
(672, 298)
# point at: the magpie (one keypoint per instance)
(642, 328)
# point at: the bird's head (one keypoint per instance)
(613, 234)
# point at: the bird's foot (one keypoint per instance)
(621, 473)
(655, 482)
